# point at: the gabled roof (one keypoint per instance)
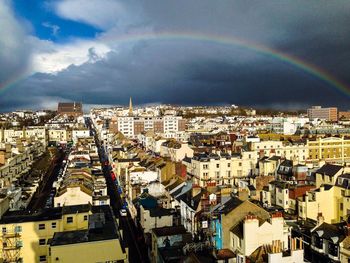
(332, 232)
(192, 202)
(229, 205)
(187, 159)
(237, 210)
(173, 184)
(287, 163)
(329, 169)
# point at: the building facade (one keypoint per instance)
(317, 112)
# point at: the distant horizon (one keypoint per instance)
(261, 107)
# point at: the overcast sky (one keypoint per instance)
(65, 50)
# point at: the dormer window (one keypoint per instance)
(333, 249)
(318, 242)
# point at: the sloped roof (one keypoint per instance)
(333, 232)
(329, 169)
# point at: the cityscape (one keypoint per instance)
(159, 131)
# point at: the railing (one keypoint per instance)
(194, 247)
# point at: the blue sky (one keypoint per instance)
(43, 19)
(63, 50)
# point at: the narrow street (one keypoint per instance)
(133, 237)
(43, 192)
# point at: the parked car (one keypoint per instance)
(123, 212)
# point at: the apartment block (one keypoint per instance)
(317, 112)
(219, 168)
(329, 149)
(132, 126)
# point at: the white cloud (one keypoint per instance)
(102, 14)
(54, 28)
(51, 57)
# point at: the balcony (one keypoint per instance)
(10, 234)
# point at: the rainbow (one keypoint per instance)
(11, 82)
(298, 63)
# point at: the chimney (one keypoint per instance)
(2, 158)
(243, 195)
(320, 219)
(347, 229)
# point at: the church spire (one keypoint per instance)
(130, 107)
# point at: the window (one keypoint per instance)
(239, 164)
(4, 230)
(42, 241)
(53, 225)
(333, 249)
(341, 206)
(217, 165)
(18, 229)
(42, 258)
(228, 164)
(41, 226)
(69, 219)
(85, 217)
(205, 166)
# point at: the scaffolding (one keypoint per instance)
(11, 244)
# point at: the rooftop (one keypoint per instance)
(101, 227)
(169, 231)
(329, 169)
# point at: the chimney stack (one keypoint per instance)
(320, 219)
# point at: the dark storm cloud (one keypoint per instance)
(192, 72)
(14, 47)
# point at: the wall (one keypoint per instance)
(296, 256)
(73, 196)
(148, 222)
(255, 236)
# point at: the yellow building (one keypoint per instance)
(329, 149)
(60, 135)
(333, 201)
(328, 174)
(313, 203)
(43, 236)
(342, 194)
